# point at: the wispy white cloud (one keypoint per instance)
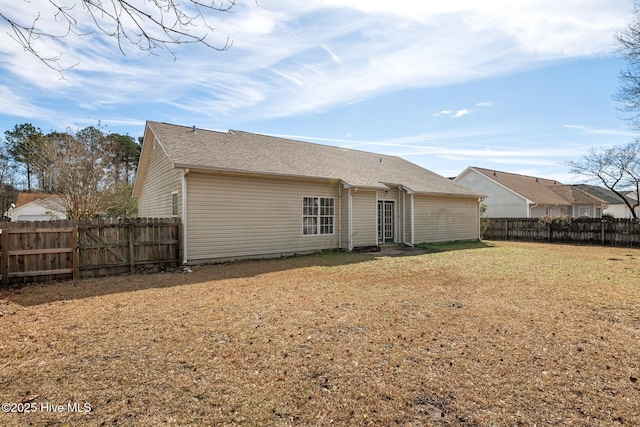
(18, 105)
(595, 131)
(453, 114)
(461, 113)
(294, 57)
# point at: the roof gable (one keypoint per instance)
(25, 198)
(237, 151)
(532, 188)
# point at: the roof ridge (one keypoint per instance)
(317, 144)
(519, 174)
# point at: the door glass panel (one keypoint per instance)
(388, 221)
(380, 220)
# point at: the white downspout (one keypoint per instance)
(411, 216)
(404, 217)
(185, 229)
(529, 207)
(413, 225)
(480, 200)
(351, 191)
(340, 216)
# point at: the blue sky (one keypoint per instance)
(522, 87)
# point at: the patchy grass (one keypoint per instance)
(454, 246)
(503, 334)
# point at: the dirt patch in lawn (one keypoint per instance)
(506, 334)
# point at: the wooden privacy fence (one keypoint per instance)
(618, 232)
(70, 249)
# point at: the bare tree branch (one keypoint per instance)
(617, 168)
(150, 25)
(628, 94)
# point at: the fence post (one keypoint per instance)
(179, 247)
(75, 255)
(602, 231)
(132, 261)
(4, 262)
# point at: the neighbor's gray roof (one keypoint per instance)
(575, 195)
(253, 153)
(603, 193)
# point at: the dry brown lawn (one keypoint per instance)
(496, 333)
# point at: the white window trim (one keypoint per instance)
(319, 216)
(176, 206)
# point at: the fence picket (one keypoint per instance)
(617, 232)
(64, 249)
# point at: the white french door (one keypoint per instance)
(385, 221)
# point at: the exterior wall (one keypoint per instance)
(408, 224)
(343, 212)
(442, 219)
(619, 211)
(240, 216)
(159, 183)
(501, 202)
(591, 211)
(539, 211)
(36, 211)
(364, 218)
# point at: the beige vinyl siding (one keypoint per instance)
(364, 218)
(343, 225)
(236, 216)
(444, 219)
(406, 208)
(159, 183)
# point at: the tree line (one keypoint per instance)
(89, 171)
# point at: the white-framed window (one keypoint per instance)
(547, 210)
(318, 215)
(174, 204)
(584, 211)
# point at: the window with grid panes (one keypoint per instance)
(174, 204)
(318, 215)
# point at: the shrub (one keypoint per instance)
(561, 220)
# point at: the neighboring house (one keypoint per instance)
(511, 195)
(244, 195)
(615, 205)
(36, 207)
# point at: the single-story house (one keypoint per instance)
(511, 195)
(245, 195)
(36, 207)
(615, 205)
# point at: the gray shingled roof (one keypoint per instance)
(253, 153)
(603, 193)
(575, 195)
